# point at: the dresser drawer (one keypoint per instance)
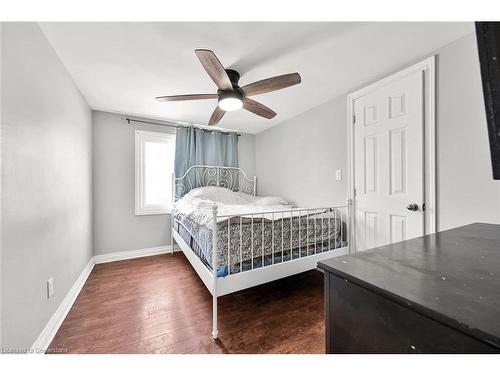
(359, 320)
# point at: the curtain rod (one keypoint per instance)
(129, 120)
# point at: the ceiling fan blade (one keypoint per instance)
(271, 84)
(177, 98)
(216, 116)
(214, 69)
(257, 108)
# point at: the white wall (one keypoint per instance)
(297, 159)
(465, 188)
(46, 182)
(116, 227)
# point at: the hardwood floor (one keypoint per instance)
(158, 304)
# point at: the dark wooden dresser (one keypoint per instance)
(434, 294)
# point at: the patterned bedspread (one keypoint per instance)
(272, 242)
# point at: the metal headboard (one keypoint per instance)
(231, 178)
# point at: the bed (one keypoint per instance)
(257, 239)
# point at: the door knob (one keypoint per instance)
(412, 207)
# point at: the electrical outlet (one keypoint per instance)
(50, 287)
(338, 174)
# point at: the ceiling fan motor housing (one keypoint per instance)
(237, 93)
(234, 76)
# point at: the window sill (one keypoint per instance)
(155, 212)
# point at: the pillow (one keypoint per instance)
(269, 201)
(229, 197)
(203, 192)
(220, 195)
(208, 192)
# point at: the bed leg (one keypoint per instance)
(215, 332)
(172, 243)
(172, 216)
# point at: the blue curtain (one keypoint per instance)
(197, 146)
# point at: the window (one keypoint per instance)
(154, 166)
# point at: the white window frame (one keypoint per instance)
(142, 136)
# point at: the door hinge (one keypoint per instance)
(353, 119)
(423, 206)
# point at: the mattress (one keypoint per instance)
(247, 243)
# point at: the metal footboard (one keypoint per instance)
(273, 245)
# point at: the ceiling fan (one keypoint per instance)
(230, 95)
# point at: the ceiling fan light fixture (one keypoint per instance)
(230, 101)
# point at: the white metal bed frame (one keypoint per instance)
(237, 180)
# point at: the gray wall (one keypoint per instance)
(46, 182)
(246, 153)
(116, 227)
(297, 159)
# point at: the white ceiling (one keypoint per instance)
(121, 67)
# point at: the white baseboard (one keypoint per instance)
(131, 254)
(47, 335)
(45, 338)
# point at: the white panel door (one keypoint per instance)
(388, 162)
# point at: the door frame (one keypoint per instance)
(428, 67)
